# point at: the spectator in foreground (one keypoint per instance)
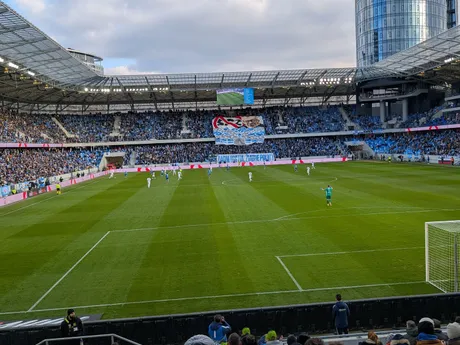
(437, 331)
(411, 332)
(426, 334)
(72, 326)
(303, 338)
(292, 340)
(248, 339)
(399, 339)
(218, 329)
(270, 339)
(315, 341)
(200, 339)
(453, 332)
(372, 339)
(340, 314)
(234, 339)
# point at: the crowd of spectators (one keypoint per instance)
(313, 119)
(446, 143)
(426, 332)
(23, 165)
(204, 152)
(88, 128)
(151, 125)
(28, 128)
(367, 122)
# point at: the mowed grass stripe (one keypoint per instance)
(58, 242)
(107, 264)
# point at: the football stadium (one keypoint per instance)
(238, 207)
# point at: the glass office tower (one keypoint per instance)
(385, 27)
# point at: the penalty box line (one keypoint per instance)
(236, 295)
(67, 273)
(299, 287)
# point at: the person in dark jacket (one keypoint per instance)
(72, 326)
(340, 314)
(426, 334)
(218, 329)
(411, 332)
(437, 331)
(303, 338)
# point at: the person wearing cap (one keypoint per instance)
(200, 339)
(411, 332)
(453, 332)
(426, 334)
(72, 326)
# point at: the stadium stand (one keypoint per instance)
(22, 165)
(203, 152)
(445, 143)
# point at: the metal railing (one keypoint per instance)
(113, 338)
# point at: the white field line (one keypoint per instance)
(350, 208)
(300, 181)
(67, 273)
(168, 300)
(350, 252)
(287, 219)
(289, 274)
(39, 202)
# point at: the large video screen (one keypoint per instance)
(235, 96)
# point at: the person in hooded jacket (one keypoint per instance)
(426, 335)
(411, 332)
(453, 332)
(218, 329)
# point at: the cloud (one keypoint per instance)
(205, 35)
(34, 6)
(124, 70)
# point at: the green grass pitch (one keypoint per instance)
(230, 98)
(201, 244)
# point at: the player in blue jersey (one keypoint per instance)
(228, 167)
(167, 177)
(209, 172)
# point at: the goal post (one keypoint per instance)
(441, 255)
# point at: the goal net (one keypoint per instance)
(442, 241)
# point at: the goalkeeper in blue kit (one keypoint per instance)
(328, 195)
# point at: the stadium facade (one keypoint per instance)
(385, 27)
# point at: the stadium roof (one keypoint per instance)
(40, 71)
(33, 52)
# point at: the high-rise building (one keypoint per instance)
(452, 13)
(385, 27)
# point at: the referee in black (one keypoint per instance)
(72, 327)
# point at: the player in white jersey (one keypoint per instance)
(179, 175)
(308, 171)
(149, 180)
(313, 165)
(250, 176)
(153, 175)
(174, 172)
(111, 174)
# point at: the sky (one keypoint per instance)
(198, 36)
